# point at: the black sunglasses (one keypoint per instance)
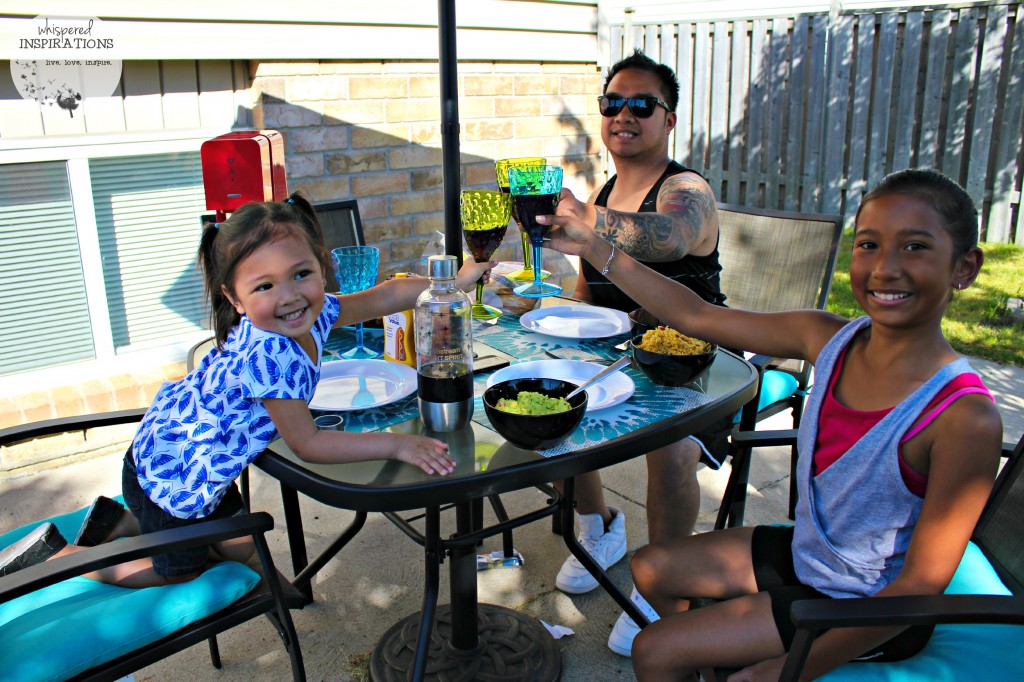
(642, 106)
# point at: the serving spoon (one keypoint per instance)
(614, 367)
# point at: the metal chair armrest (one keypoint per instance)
(761, 439)
(56, 570)
(813, 615)
(912, 610)
(49, 427)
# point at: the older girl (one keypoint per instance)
(899, 447)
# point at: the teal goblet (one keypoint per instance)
(535, 191)
(355, 268)
(501, 166)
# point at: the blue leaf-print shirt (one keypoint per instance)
(200, 432)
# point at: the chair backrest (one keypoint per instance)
(776, 260)
(197, 352)
(340, 223)
(341, 226)
(998, 530)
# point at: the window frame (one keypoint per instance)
(76, 154)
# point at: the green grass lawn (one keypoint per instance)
(973, 320)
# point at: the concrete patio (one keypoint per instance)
(377, 579)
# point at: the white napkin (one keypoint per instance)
(558, 631)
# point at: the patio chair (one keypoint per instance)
(979, 621)
(771, 261)
(57, 624)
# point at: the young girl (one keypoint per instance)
(899, 447)
(264, 270)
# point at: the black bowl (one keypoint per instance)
(670, 370)
(534, 432)
(642, 321)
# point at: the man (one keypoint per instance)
(664, 215)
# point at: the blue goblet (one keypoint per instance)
(355, 267)
(535, 191)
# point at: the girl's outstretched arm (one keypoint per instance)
(395, 295)
(295, 426)
(792, 334)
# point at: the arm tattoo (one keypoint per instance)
(687, 208)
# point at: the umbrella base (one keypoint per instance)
(512, 646)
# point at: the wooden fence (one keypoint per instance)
(806, 113)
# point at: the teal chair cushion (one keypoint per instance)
(955, 652)
(64, 629)
(775, 386)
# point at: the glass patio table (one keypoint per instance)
(466, 639)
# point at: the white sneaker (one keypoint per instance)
(607, 548)
(621, 639)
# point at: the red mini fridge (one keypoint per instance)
(243, 166)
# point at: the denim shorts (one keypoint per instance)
(152, 519)
(772, 554)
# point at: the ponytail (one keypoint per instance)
(311, 224)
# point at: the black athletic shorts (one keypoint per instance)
(772, 554)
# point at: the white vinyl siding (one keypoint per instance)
(147, 217)
(42, 291)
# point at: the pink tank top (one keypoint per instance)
(839, 427)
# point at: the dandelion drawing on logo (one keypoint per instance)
(69, 101)
(49, 93)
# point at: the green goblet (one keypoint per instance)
(501, 168)
(485, 215)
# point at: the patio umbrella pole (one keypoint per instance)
(450, 165)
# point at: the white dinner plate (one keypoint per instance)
(362, 384)
(576, 321)
(611, 390)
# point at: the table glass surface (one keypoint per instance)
(603, 438)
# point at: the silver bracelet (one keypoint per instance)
(608, 263)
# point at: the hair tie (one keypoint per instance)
(216, 226)
(290, 201)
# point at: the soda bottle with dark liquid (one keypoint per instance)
(444, 349)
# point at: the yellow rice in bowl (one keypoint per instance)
(670, 342)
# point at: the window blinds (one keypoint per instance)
(147, 217)
(43, 308)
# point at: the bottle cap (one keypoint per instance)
(442, 267)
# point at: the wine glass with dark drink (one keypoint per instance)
(501, 166)
(355, 267)
(535, 191)
(485, 215)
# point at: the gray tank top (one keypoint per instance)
(854, 519)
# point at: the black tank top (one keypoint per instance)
(699, 273)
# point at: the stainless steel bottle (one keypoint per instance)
(444, 349)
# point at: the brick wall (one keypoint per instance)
(371, 131)
(105, 394)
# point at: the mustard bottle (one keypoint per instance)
(399, 344)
